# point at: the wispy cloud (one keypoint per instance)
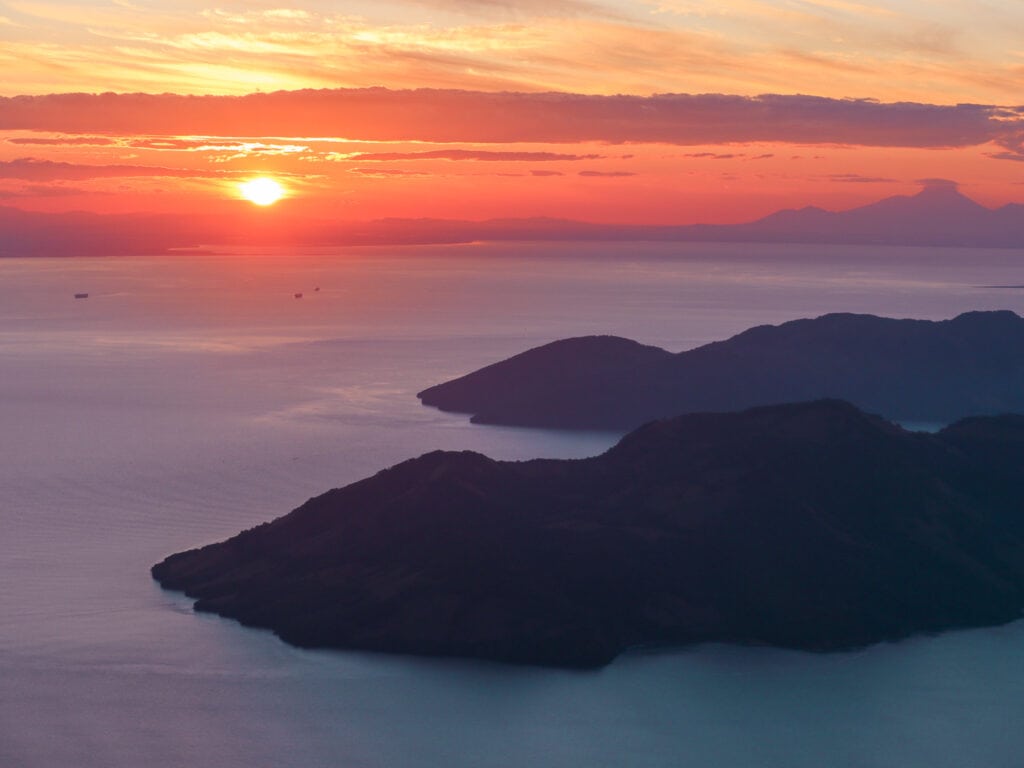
(1015, 156)
(714, 155)
(45, 190)
(28, 168)
(387, 172)
(523, 8)
(856, 178)
(467, 154)
(68, 141)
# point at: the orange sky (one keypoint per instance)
(538, 109)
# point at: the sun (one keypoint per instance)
(261, 191)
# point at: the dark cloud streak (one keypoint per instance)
(380, 114)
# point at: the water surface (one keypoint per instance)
(191, 397)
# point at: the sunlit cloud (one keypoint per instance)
(467, 154)
(945, 53)
(714, 155)
(211, 144)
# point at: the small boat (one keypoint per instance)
(81, 295)
(298, 295)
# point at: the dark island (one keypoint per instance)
(907, 370)
(808, 526)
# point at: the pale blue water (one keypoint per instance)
(190, 397)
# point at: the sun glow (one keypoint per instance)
(261, 191)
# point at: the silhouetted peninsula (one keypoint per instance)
(908, 370)
(811, 526)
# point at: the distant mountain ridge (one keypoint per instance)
(939, 215)
(810, 526)
(908, 370)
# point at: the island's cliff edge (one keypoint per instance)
(811, 526)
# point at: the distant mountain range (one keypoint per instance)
(808, 526)
(909, 370)
(939, 215)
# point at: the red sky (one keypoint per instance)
(631, 112)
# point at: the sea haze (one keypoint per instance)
(192, 396)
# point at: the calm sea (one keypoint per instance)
(192, 396)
